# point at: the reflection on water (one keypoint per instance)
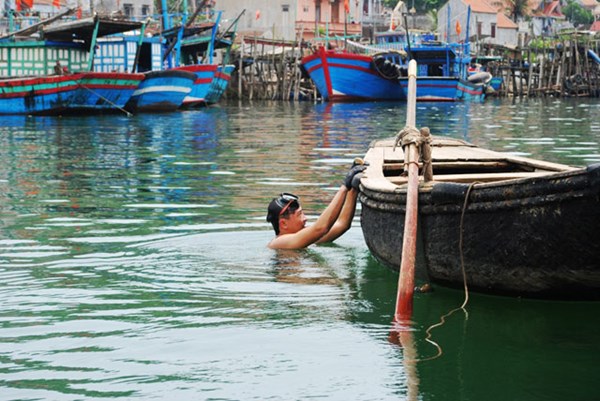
(133, 262)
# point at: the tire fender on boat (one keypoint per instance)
(480, 77)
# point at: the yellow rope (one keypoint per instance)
(464, 274)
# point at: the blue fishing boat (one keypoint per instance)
(379, 71)
(383, 75)
(56, 75)
(99, 89)
(195, 48)
(161, 91)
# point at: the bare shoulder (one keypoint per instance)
(284, 241)
(298, 240)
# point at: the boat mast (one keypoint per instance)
(93, 44)
(467, 46)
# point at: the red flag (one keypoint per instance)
(56, 3)
(347, 5)
(257, 14)
(28, 3)
(457, 28)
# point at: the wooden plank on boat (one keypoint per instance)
(374, 173)
(487, 177)
(461, 152)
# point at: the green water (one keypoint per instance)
(133, 263)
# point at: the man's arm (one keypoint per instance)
(311, 234)
(344, 221)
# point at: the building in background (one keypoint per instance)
(294, 19)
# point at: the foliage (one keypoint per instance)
(577, 14)
(518, 9)
(422, 6)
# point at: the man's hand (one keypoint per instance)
(356, 181)
(353, 171)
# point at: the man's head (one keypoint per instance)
(285, 208)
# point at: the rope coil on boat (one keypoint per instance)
(422, 139)
(408, 135)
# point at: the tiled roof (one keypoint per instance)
(504, 22)
(589, 4)
(480, 6)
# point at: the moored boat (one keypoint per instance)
(529, 227)
(343, 76)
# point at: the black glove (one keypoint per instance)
(356, 181)
(353, 171)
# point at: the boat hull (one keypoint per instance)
(205, 73)
(43, 95)
(104, 91)
(350, 77)
(347, 77)
(161, 91)
(219, 84)
(532, 237)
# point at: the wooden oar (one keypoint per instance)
(406, 280)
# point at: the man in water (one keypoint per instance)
(289, 222)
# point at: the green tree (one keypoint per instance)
(577, 14)
(518, 9)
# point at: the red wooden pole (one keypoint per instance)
(406, 279)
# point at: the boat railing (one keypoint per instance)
(360, 48)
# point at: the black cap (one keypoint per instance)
(281, 205)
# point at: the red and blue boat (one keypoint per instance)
(441, 75)
(380, 71)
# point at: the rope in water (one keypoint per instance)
(464, 274)
(107, 101)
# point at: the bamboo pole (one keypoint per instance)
(406, 279)
(241, 69)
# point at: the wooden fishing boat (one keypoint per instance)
(56, 75)
(529, 227)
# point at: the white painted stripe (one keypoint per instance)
(189, 99)
(163, 88)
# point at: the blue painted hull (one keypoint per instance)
(348, 77)
(219, 84)
(496, 83)
(104, 91)
(161, 91)
(205, 73)
(44, 95)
